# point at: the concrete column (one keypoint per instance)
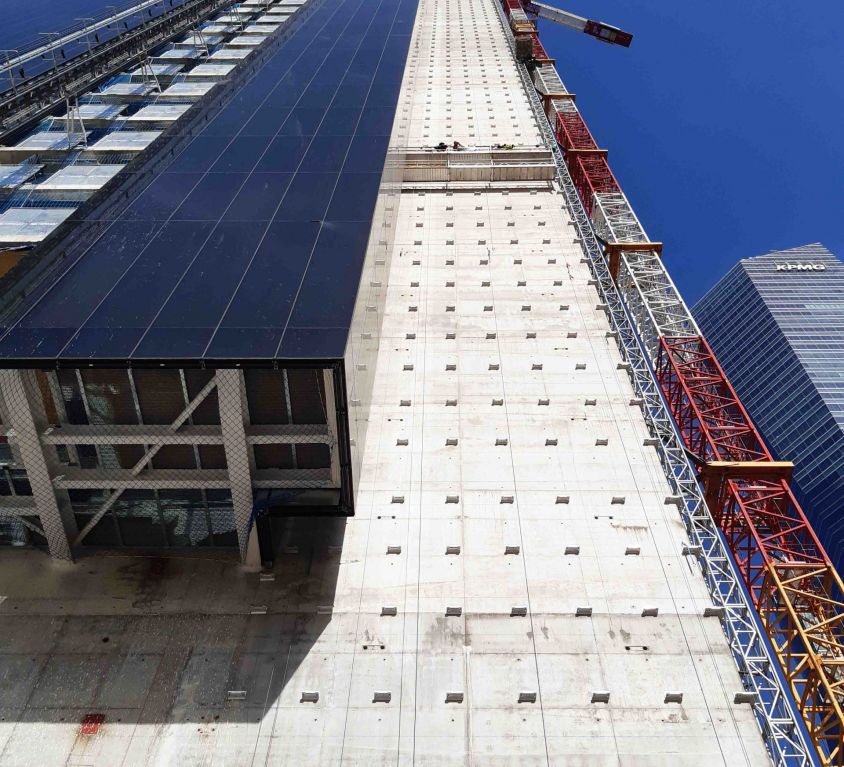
(19, 391)
(230, 391)
(331, 423)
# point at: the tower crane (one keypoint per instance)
(606, 33)
(528, 47)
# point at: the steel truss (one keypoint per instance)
(640, 274)
(527, 43)
(53, 49)
(39, 427)
(815, 670)
(772, 705)
(794, 586)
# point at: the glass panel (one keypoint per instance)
(206, 287)
(265, 396)
(161, 198)
(259, 197)
(273, 457)
(104, 533)
(12, 532)
(210, 197)
(207, 411)
(331, 264)
(20, 482)
(212, 457)
(201, 246)
(185, 517)
(307, 198)
(310, 456)
(160, 395)
(175, 457)
(221, 514)
(138, 519)
(307, 395)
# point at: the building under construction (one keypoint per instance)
(352, 418)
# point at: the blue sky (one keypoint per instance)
(723, 123)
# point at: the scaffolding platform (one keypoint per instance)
(159, 71)
(247, 41)
(74, 183)
(45, 144)
(12, 176)
(156, 115)
(186, 91)
(28, 226)
(198, 40)
(237, 19)
(125, 93)
(92, 115)
(218, 29)
(185, 55)
(122, 142)
(234, 55)
(261, 29)
(209, 72)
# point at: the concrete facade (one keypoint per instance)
(511, 589)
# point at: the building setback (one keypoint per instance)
(776, 323)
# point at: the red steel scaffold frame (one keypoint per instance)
(794, 587)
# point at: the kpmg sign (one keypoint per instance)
(801, 267)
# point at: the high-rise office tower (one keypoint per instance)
(776, 322)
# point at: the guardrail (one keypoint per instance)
(36, 96)
(21, 64)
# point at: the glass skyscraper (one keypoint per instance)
(776, 324)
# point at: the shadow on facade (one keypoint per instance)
(152, 640)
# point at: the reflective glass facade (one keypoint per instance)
(248, 238)
(776, 323)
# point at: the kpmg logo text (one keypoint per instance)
(801, 267)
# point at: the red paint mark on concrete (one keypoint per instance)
(91, 724)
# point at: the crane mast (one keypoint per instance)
(795, 590)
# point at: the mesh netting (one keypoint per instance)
(154, 458)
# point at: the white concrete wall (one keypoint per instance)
(492, 338)
(427, 495)
(466, 88)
